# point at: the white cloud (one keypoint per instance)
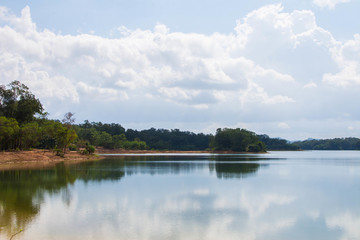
(347, 57)
(274, 64)
(283, 125)
(329, 3)
(310, 85)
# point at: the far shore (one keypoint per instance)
(38, 158)
(124, 151)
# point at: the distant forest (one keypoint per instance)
(24, 125)
(114, 136)
(350, 143)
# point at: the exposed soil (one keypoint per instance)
(39, 158)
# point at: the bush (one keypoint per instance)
(89, 149)
(59, 152)
(72, 147)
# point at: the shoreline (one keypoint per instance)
(123, 151)
(39, 158)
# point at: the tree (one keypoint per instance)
(68, 135)
(9, 129)
(29, 135)
(68, 119)
(56, 136)
(239, 140)
(18, 102)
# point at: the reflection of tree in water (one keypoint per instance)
(22, 191)
(234, 170)
(155, 165)
(234, 166)
(225, 166)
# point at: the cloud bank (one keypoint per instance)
(277, 69)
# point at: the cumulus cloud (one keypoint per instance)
(347, 57)
(272, 64)
(328, 3)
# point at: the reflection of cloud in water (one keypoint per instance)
(348, 222)
(181, 215)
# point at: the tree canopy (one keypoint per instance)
(16, 101)
(238, 140)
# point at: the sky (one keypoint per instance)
(289, 69)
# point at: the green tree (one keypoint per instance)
(18, 102)
(69, 135)
(239, 140)
(105, 140)
(29, 135)
(9, 129)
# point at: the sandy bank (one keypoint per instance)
(39, 158)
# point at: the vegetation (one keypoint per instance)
(175, 139)
(110, 136)
(330, 144)
(239, 140)
(23, 125)
(278, 144)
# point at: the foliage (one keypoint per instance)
(19, 127)
(163, 139)
(277, 143)
(29, 135)
(330, 144)
(18, 102)
(9, 129)
(238, 140)
(112, 137)
(89, 149)
(72, 147)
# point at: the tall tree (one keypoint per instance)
(18, 102)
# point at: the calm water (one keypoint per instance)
(280, 195)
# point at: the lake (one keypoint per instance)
(279, 195)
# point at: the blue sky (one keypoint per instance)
(289, 69)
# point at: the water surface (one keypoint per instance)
(280, 195)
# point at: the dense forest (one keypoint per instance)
(24, 125)
(330, 144)
(278, 144)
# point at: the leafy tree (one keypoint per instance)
(29, 135)
(9, 129)
(56, 135)
(239, 140)
(18, 102)
(105, 140)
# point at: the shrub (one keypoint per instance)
(72, 147)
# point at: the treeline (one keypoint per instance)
(114, 136)
(237, 140)
(110, 136)
(23, 123)
(330, 144)
(278, 144)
